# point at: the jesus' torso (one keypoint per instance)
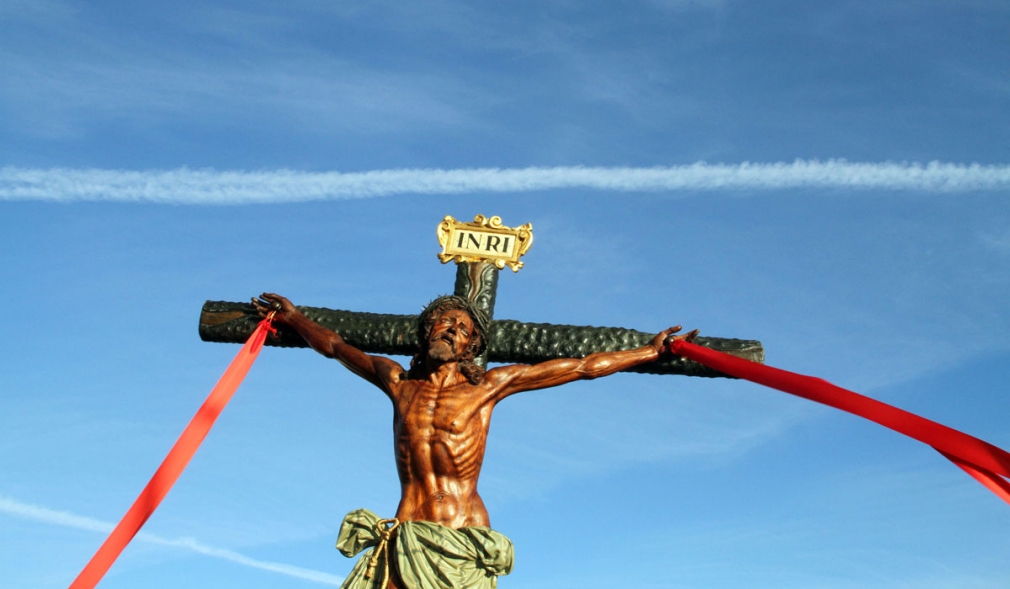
(440, 434)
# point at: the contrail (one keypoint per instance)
(70, 520)
(186, 186)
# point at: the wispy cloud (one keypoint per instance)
(70, 520)
(185, 186)
(999, 242)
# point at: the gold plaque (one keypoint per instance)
(484, 240)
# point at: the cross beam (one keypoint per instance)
(512, 342)
(509, 342)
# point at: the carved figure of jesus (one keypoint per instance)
(442, 404)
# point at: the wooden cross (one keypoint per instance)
(480, 249)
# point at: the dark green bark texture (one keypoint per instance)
(511, 342)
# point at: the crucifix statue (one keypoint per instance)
(440, 535)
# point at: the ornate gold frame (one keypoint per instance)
(485, 229)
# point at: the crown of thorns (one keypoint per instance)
(448, 302)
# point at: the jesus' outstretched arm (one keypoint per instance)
(378, 370)
(519, 377)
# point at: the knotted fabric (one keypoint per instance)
(428, 555)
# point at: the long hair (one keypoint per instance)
(466, 365)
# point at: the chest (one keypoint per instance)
(455, 410)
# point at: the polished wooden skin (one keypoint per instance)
(441, 421)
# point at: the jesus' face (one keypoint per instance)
(450, 336)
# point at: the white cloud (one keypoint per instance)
(51, 516)
(185, 186)
(999, 242)
(70, 520)
(49, 12)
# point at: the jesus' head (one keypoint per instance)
(451, 329)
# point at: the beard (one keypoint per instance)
(441, 351)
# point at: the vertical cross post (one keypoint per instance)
(478, 283)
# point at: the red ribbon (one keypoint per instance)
(986, 463)
(173, 465)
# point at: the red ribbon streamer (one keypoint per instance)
(986, 463)
(173, 465)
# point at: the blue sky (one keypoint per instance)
(829, 179)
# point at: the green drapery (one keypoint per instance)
(428, 555)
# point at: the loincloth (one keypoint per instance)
(428, 555)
